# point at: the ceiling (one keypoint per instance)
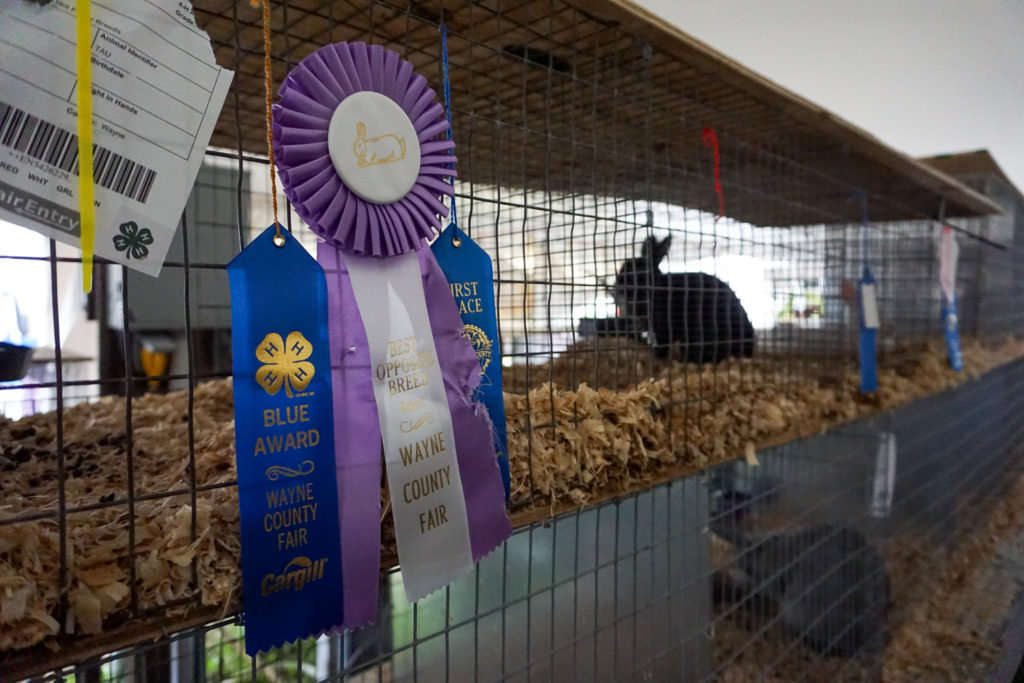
(601, 98)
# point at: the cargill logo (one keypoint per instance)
(284, 363)
(296, 574)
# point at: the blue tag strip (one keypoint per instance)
(468, 270)
(951, 324)
(284, 444)
(868, 360)
(868, 354)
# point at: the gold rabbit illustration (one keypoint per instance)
(384, 149)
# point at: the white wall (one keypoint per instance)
(28, 283)
(925, 76)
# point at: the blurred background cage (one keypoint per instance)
(580, 134)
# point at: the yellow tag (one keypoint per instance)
(83, 55)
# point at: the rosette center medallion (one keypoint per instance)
(373, 147)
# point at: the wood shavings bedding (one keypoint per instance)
(575, 446)
(99, 531)
(588, 443)
(969, 592)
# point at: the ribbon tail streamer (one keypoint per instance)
(358, 427)
(468, 270)
(481, 478)
(292, 570)
(357, 435)
(420, 451)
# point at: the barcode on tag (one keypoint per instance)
(58, 147)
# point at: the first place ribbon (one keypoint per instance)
(468, 269)
(284, 443)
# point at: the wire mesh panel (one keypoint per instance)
(650, 328)
(956, 455)
(669, 584)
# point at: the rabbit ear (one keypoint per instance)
(661, 250)
(361, 130)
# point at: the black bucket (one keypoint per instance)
(14, 361)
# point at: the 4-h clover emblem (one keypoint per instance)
(284, 363)
(133, 240)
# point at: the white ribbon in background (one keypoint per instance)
(885, 475)
(870, 303)
(949, 253)
(427, 499)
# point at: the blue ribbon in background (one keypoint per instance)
(471, 278)
(284, 444)
(868, 333)
(951, 324)
(868, 361)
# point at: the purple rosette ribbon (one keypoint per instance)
(345, 219)
(356, 137)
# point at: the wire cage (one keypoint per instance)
(642, 550)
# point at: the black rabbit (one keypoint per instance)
(695, 310)
(829, 586)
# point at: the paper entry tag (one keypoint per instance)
(157, 93)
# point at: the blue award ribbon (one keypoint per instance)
(470, 275)
(951, 324)
(284, 444)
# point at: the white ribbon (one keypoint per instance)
(870, 304)
(885, 475)
(429, 507)
(949, 253)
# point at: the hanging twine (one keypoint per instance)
(711, 140)
(448, 113)
(268, 83)
(861, 197)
